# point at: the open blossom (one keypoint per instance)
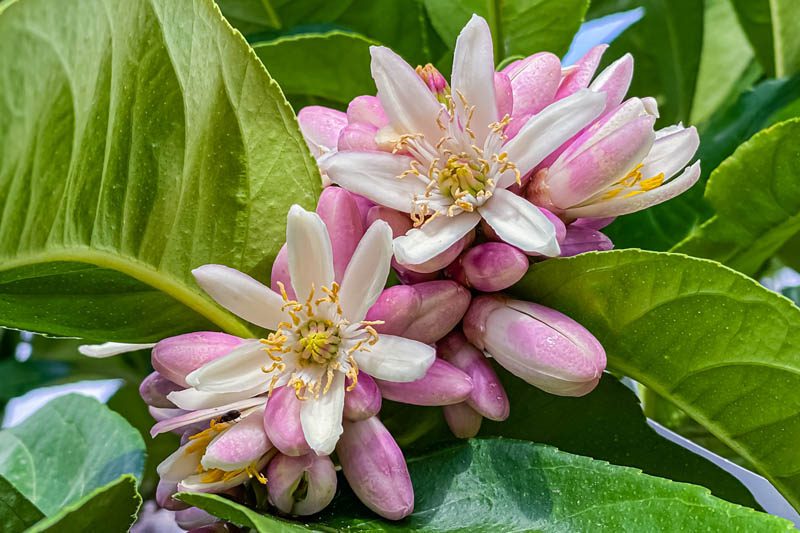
(451, 163)
(619, 165)
(319, 340)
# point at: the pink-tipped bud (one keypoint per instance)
(164, 492)
(302, 485)
(463, 420)
(594, 223)
(397, 307)
(375, 468)
(540, 345)
(614, 80)
(581, 239)
(579, 77)
(193, 518)
(339, 211)
(442, 305)
(367, 110)
(359, 137)
(364, 205)
(534, 83)
(488, 397)
(490, 267)
(363, 400)
(409, 277)
(320, 127)
(503, 94)
(443, 384)
(399, 222)
(154, 390)
(175, 357)
(282, 422)
(435, 81)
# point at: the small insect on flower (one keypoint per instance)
(230, 416)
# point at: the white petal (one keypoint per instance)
(321, 417)
(670, 153)
(241, 295)
(310, 254)
(239, 370)
(407, 101)
(420, 245)
(108, 349)
(375, 175)
(203, 415)
(623, 206)
(179, 464)
(520, 223)
(473, 76)
(367, 271)
(396, 359)
(192, 399)
(549, 129)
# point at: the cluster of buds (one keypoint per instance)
(458, 187)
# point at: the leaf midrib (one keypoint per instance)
(161, 281)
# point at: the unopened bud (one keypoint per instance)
(489, 267)
(581, 239)
(302, 485)
(443, 384)
(463, 420)
(282, 422)
(339, 211)
(175, 357)
(154, 390)
(363, 400)
(540, 345)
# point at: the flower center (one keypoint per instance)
(462, 175)
(316, 342)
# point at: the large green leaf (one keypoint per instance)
(756, 196)
(111, 509)
(17, 513)
(607, 424)
(250, 16)
(771, 26)
(519, 27)
(726, 58)
(507, 485)
(140, 140)
(714, 342)
(661, 227)
(332, 65)
(67, 449)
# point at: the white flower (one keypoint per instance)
(451, 163)
(318, 340)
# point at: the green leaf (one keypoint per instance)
(249, 16)
(607, 424)
(521, 27)
(111, 508)
(17, 513)
(756, 196)
(726, 58)
(661, 227)
(67, 449)
(504, 485)
(332, 65)
(714, 342)
(241, 515)
(771, 27)
(140, 139)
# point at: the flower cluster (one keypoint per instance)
(457, 186)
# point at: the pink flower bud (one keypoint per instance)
(399, 222)
(375, 468)
(282, 422)
(154, 390)
(244, 443)
(462, 420)
(534, 83)
(193, 518)
(503, 95)
(409, 277)
(579, 77)
(442, 305)
(364, 205)
(398, 307)
(614, 80)
(540, 345)
(581, 239)
(488, 397)
(359, 137)
(594, 223)
(490, 267)
(164, 492)
(443, 384)
(364, 400)
(302, 485)
(339, 211)
(320, 127)
(367, 110)
(175, 357)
